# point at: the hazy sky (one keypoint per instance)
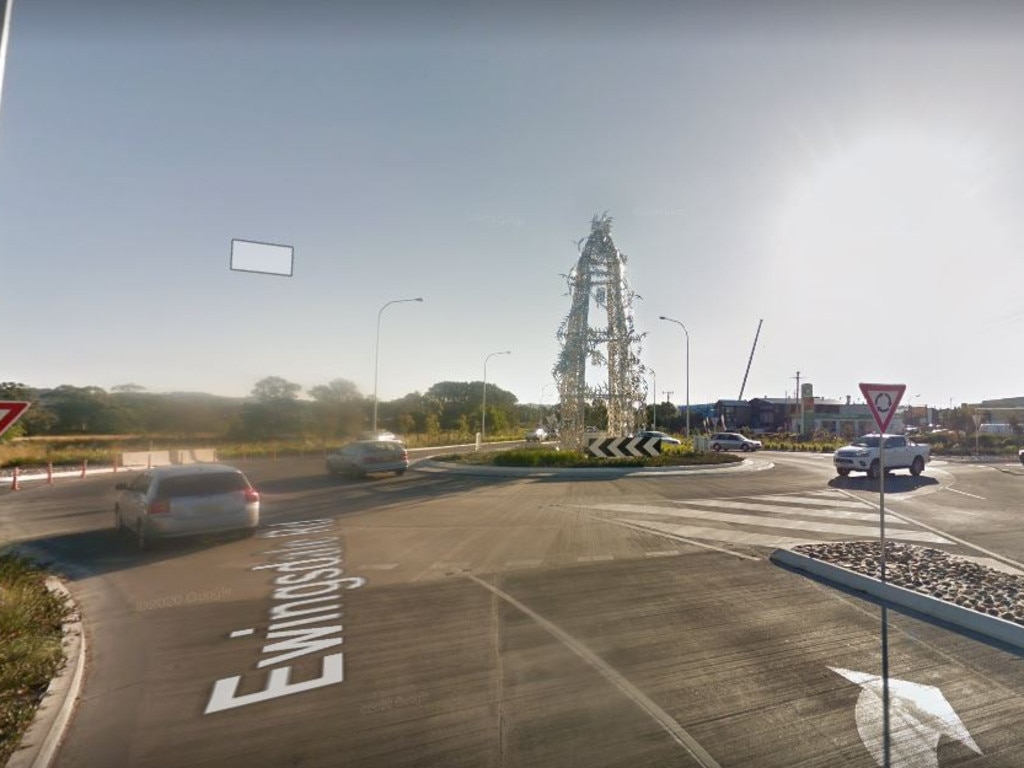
(852, 173)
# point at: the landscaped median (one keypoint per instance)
(32, 621)
(920, 580)
(551, 461)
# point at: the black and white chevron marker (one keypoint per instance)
(622, 447)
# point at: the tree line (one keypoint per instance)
(275, 409)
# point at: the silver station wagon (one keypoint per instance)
(167, 502)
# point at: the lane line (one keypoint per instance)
(663, 553)
(765, 522)
(671, 536)
(594, 558)
(963, 493)
(828, 514)
(685, 532)
(638, 697)
(963, 542)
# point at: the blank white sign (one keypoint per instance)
(265, 258)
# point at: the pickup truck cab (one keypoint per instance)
(900, 453)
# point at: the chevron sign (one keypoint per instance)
(623, 447)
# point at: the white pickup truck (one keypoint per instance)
(900, 453)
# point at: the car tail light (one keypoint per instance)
(251, 496)
(159, 507)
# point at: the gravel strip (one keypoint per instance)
(930, 572)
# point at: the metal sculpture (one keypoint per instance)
(599, 278)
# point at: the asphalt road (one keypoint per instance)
(529, 621)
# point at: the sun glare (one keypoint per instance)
(899, 206)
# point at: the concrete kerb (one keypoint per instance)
(39, 744)
(999, 630)
(572, 473)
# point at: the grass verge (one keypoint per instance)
(31, 634)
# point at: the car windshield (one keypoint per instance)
(867, 442)
(421, 271)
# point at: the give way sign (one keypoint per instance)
(882, 400)
(10, 412)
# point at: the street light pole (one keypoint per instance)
(669, 319)
(376, 356)
(654, 412)
(483, 410)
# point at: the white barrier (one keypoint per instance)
(146, 459)
(194, 455)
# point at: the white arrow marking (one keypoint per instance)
(918, 716)
(614, 448)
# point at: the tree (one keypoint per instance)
(336, 391)
(273, 388)
(337, 408)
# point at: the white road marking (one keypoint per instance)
(379, 567)
(673, 536)
(767, 522)
(956, 539)
(660, 716)
(663, 553)
(919, 717)
(720, 534)
(828, 514)
(241, 633)
(461, 565)
(963, 493)
(594, 558)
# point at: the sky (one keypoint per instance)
(852, 174)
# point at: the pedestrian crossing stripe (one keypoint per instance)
(815, 516)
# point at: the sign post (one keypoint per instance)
(882, 400)
(10, 412)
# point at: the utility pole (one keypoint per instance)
(800, 400)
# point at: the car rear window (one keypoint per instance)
(202, 485)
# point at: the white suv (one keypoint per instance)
(733, 441)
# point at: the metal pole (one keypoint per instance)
(881, 499)
(655, 409)
(5, 34)
(483, 410)
(376, 356)
(677, 322)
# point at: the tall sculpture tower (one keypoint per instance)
(599, 279)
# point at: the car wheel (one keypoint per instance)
(746, 448)
(399, 472)
(716, 447)
(873, 470)
(917, 467)
(843, 471)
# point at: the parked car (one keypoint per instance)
(362, 457)
(185, 500)
(733, 441)
(665, 439)
(537, 435)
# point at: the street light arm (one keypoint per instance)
(376, 353)
(680, 324)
